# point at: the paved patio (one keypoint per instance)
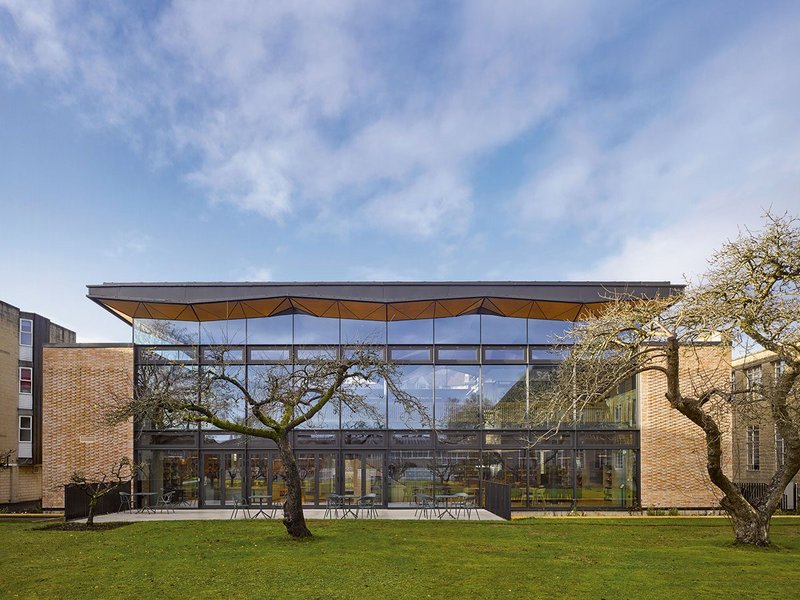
(209, 514)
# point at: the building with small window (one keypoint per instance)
(474, 352)
(758, 447)
(22, 338)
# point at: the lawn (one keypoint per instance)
(552, 558)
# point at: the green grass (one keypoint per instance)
(547, 558)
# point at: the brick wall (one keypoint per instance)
(673, 453)
(9, 379)
(20, 484)
(80, 383)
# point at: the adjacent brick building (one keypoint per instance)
(23, 336)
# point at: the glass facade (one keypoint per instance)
(479, 378)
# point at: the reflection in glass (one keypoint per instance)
(373, 415)
(606, 478)
(358, 332)
(411, 474)
(543, 411)
(409, 354)
(182, 383)
(224, 399)
(415, 331)
(504, 354)
(270, 355)
(416, 380)
(618, 410)
(161, 331)
(327, 476)
(270, 330)
(223, 333)
(170, 471)
(503, 330)
(456, 472)
(465, 329)
(510, 467)
(315, 330)
(457, 354)
(551, 478)
(261, 380)
(504, 396)
(541, 331)
(457, 394)
(307, 466)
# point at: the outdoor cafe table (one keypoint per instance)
(349, 504)
(264, 502)
(446, 508)
(143, 501)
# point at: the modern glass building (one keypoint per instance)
(474, 352)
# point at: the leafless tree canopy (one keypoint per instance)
(748, 298)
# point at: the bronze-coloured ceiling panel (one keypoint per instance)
(457, 306)
(317, 308)
(367, 311)
(401, 311)
(509, 307)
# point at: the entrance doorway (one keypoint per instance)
(223, 478)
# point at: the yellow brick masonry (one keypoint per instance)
(673, 453)
(79, 383)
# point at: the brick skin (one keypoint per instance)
(673, 452)
(79, 384)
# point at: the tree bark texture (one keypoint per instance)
(293, 518)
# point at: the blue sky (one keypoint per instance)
(207, 141)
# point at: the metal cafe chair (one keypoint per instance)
(164, 502)
(125, 503)
(333, 504)
(426, 507)
(241, 505)
(366, 505)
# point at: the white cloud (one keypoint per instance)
(306, 105)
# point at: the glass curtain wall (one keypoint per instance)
(479, 378)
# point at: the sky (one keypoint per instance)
(349, 140)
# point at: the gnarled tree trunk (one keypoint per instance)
(293, 517)
(750, 526)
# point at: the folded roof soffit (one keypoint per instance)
(350, 309)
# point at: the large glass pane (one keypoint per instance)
(315, 330)
(414, 331)
(411, 473)
(457, 471)
(356, 332)
(370, 415)
(417, 381)
(259, 474)
(262, 381)
(457, 395)
(170, 471)
(503, 330)
(234, 476)
(224, 398)
(212, 479)
(307, 466)
(618, 410)
(606, 478)
(504, 396)
(541, 331)
(544, 411)
(352, 480)
(373, 476)
(510, 467)
(551, 478)
(223, 333)
(465, 329)
(180, 381)
(154, 332)
(270, 330)
(327, 476)
(278, 480)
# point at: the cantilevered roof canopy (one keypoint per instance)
(385, 301)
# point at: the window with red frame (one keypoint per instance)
(25, 380)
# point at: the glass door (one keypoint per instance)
(362, 474)
(223, 476)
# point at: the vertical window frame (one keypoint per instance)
(753, 447)
(29, 428)
(29, 380)
(23, 332)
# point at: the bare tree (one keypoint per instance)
(749, 295)
(102, 483)
(278, 399)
